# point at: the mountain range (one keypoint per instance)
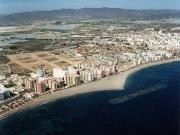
(86, 13)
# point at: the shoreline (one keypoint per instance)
(114, 82)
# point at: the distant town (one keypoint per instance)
(47, 57)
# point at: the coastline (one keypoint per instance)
(115, 82)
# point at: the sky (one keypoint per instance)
(14, 6)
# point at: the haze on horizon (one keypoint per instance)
(14, 6)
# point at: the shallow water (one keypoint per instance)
(151, 107)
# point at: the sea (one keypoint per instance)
(148, 105)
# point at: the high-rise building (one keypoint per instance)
(72, 70)
(72, 80)
(54, 85)
(107, 71)
(59, 72)
(60, 83)
(29, 83)
(98, 73)
(113, 69)
(67, 80)
(50, 83)
(40, 87)
(87, 76)
(41, 72)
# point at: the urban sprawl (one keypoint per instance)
(96, 56)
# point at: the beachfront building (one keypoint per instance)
(98, 73)
(51, 83)
(72, 80)
(54, 84)
(40, 87)
(87, 76)
(60, 83)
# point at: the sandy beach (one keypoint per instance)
(115, 82)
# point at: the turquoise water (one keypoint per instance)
(149, 105)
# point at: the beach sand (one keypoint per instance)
(115, 82)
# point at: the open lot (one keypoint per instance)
(32, 61)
